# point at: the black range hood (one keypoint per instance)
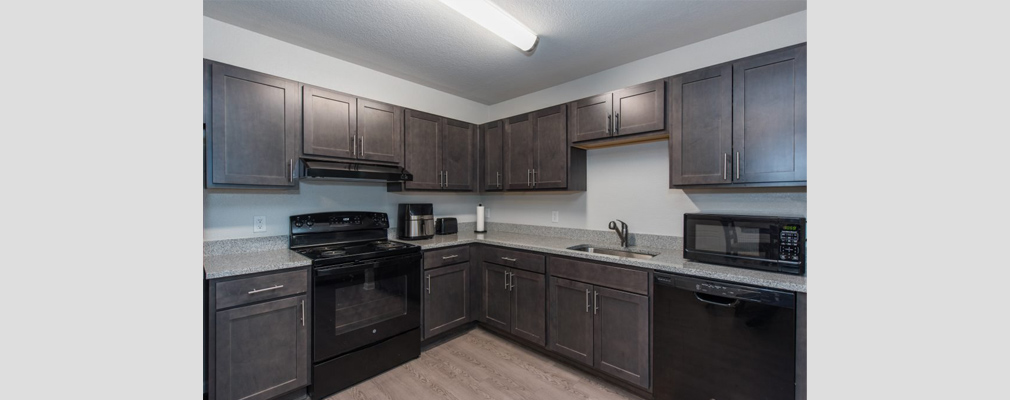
(344, 170)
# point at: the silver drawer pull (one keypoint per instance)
(509, 259)
(450, 257)
(264, 290)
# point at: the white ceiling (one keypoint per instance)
(426, 42)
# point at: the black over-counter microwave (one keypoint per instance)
(775, 244)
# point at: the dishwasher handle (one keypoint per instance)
(718, 289)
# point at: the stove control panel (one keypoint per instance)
(338, 222)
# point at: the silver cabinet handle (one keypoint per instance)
(429, 283)
(608, 124)
(291, 170)
(596, 304)
(264, 290)
(617, 123)
(440, 179)
(450, 257)
(509, 259)
(446, 178)
(354, 145)
(497, 179)
(587, 300)
(506, 280)
(361, 148)
(725, 164)
(528, 181)
(512, 280)
(303, 312)
(534, 177)
(737, 165)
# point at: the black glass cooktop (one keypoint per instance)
(332, 254)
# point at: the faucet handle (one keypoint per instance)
(612, 225)
(623, 225)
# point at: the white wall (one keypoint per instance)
(229, 215)
(771, 35)
(631, 182)
(247, 49)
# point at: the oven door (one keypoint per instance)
(358, 304)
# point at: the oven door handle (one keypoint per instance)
(344, 269)
(378, 264)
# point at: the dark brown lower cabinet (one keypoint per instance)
(621, 335)
(600, 327)
(515, 301)
(528, 301)
(571, 319)
(446, 298)
(261, 350)
(497, 305)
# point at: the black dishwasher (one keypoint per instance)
(723, 341)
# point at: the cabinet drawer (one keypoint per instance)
(626, 279)
(514, 258)
(441, 257)
(258, 288)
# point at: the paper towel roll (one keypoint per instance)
(480, 218)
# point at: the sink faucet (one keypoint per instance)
(621, 233)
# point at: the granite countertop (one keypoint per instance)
(246, 256)
(667, 260)
(226, 265)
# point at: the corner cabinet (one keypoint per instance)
(252, 124)
(535, 153)
(740, 124)
(441, 153)
(629, 115)
(258, 336)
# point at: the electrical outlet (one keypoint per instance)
(259, 224)
(554, 216)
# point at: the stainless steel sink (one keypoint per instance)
(611, 252)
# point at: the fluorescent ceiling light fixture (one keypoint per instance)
(497, 21)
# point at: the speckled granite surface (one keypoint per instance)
(225, 265)
(244, 256)
(668, 260)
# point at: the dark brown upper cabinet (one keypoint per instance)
(629, 115)
(493, 163)
(251, 128)
(330, 123)
(441, 153)
(537, 155)
(343, 126)
(740, 124)
(380, 131)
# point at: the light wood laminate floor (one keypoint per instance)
(480, 365)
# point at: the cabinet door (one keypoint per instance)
(497, 304)
(423, 149)
(770, 117)
(571, 320)
(640, 108)
(458, 157)
(551, 133)
(329, 123)
(254, 127)
(380, 131)
(494, 177)
(261, 350)
(592, 118)
(529, 302)
(519, 152)
(701, 126)
(621, 335)
(446, 298)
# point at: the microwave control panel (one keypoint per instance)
(789, 243)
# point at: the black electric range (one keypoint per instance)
(366, 311)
